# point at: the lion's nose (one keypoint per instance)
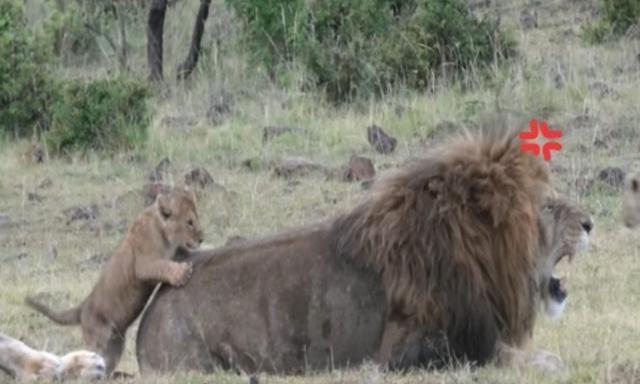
(587, 225)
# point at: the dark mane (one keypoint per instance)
(454, 237)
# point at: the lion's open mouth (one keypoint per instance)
(557, 286)
(557, 282)
(557, 289)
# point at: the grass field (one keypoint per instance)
(591, 92)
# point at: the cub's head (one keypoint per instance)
(179, 218)
(84, 365)
(631, 201)
(564, 232)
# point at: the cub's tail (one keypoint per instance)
(68, 317)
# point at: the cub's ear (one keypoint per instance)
(164, 206)
(190, 193)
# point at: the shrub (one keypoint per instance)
(24, 78)
(99, 115)
(70, 39)
(618, 17)
(360, 47)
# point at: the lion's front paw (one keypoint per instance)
(546, 361)
(180, 274)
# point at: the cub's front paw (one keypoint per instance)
(180, 274)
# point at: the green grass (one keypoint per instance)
(598, 337)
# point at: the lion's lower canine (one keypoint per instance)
(440, 263)
(142, 260)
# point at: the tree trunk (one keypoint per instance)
(185, 69)
(155, 27)
(122, 56)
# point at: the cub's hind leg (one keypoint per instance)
(102, 337)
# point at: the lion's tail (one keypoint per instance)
(68, 317)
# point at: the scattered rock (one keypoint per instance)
(296, 166)
(583, 184)
(32, 196)
(151, 190)
(45, 183)
(612, 176)
(367, 184)
(558, 82)
(5, 220)
(52, 253)
(602, 90)
(95, 260)
(359, 168)
(220, 104)
(600, 142)
(443, 129)
(81, 213)
(198, 177)
(379, 140)
(34, 153)
(178, 122)
(161, 172)
(135, 158)
(479, 4)
(626, 373)
(270, 131)
(528, 19)
(253, 164)
(580, 122)
(235, 240)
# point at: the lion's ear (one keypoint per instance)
(164, 206)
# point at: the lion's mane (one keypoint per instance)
(454, 237)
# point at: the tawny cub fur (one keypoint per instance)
(142, 260)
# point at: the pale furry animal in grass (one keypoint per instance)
(143, 259)
(24, 363)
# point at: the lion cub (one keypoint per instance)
(141, 261)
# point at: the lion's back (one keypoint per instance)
(289, 303)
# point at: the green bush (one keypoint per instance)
(70, 39)
(109, 115)
(361, 47)
(618, 17)
(24, 78)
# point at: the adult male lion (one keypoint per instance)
(442, 262)
(143, 259)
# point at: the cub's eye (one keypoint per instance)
(190, 223)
